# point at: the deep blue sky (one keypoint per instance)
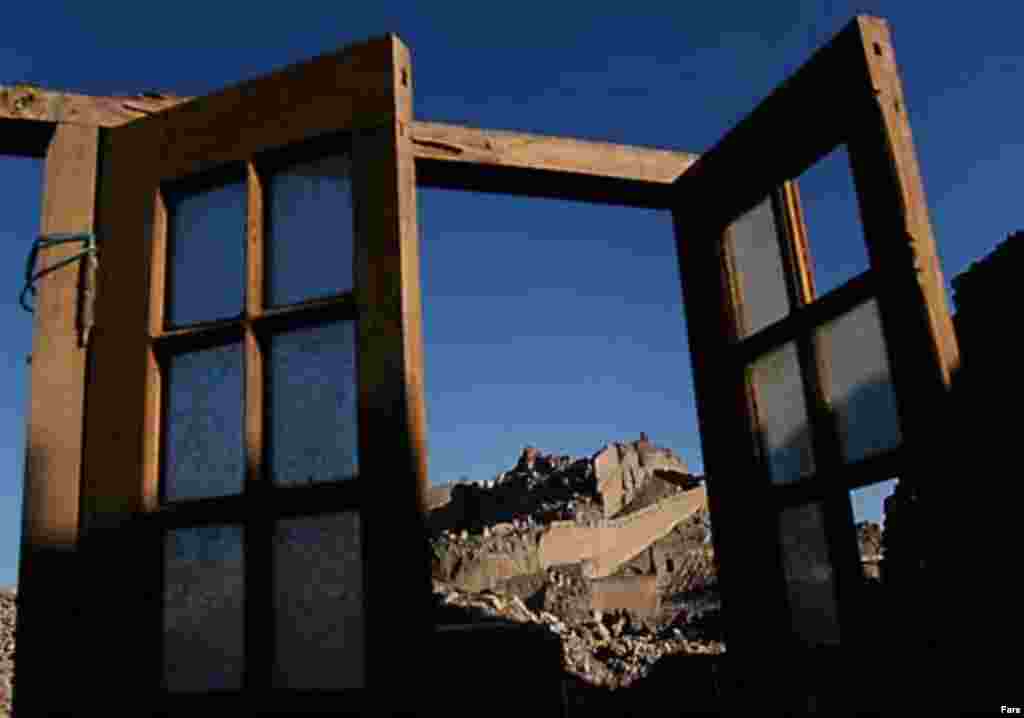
(547, 323)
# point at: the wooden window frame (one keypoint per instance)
(851, 84)
(260, 504)
(848, 93)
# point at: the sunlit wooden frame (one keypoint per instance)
(848, 93)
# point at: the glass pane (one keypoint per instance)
(836, 241)
(312, 404)
(206, 238)
(782, 413)
(310, 248)
(858, 381)
(203, 609)
(204, 453)
(754, 245)
(808, 572)
(319, 603)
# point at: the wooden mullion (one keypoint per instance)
(844, 479)
(255, 242)
(158, 265)
(197, 339)
(815, 363)
(259, 633)
(812, 363)
(154, 411)
(807, 319)
(800, 245)
(257, 529)
(275, 502)
(342, 307)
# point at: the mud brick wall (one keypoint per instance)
(612, 542)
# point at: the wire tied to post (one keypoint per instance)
(89, 252)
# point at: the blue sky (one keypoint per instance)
(549, 323)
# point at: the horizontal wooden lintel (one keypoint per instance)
(447, 156)
(30, 102)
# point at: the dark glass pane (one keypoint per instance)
(754, 245)
(312, 404)
(206, 253)
(204, 452)
(782, 414)
(203, 609)
(809, 576)
(319, 603)
(309, 234)
(859, 383)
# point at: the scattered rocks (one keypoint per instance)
(490, 525)
(8, 615)
(609, 650)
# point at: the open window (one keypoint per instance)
(803, 398)
(256, 431)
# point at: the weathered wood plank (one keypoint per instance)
(31, 102)
(470, 145)
(47, 578)
(466, 158)
(446, 155)
(340, 91)
(890, 131)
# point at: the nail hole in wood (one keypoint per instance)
(878, 49)
(405, 77)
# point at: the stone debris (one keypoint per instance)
(8, 614)
(609, 650)
(492, 533)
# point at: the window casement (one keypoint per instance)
(259, 397)
(827, 393)
(260, 433)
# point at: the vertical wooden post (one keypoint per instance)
(47, 579)
(392, 420)
(923, 351)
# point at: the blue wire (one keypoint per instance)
(49, 241)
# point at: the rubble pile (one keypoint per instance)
(869, 538)
(607, 650)
(485, 544)
(8, 613)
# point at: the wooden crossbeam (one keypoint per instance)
(447, 156)
(38, 104)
